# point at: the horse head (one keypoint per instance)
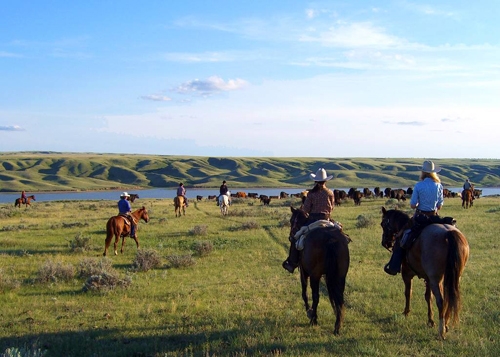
(393, 221)
(297, 221)
(144, 214)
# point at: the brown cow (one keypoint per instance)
(367, 192)
(398, 194)
(241, 194)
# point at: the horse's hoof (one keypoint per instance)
(430, 323)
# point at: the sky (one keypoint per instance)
(392, 79)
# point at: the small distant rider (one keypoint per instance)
(468, 185)
(223, 190)
(23, 197)
(125, 209)
(181, 191)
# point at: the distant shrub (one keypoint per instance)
(250, 225)
(51, 271)
(202, 248)
(199, 230)
(106, 282)
(180, 261)
(13, 228)
(364, 221)
(93, 266)
(80, 243)
(23, 352)
(284, 222)
(146, 259)
(75, 224)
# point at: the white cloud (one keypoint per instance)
(156, 98)
(11, 128)
(210, 85)
(353, 35)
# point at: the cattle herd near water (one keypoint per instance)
(342, 196)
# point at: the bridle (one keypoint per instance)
(388, 234)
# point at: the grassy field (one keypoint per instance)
(234, 300)
(48, 171)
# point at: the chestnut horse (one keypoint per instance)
(467, 198)
(438, 256)
(19, 201)
(118, 226)
(325, 253)
(180, 205)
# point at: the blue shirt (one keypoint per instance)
(124, 206)
(428, 194)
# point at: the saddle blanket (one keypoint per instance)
(302, 234)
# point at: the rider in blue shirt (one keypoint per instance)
(125, 209)
(427, 198)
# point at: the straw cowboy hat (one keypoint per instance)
(429, 167)
(320, 175)
(124, 194)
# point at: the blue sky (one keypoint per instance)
(252, 78)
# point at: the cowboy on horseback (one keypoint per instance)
(125, 210)
(224, 190)
(181, 191)
(23, 197)
(319, 204)
(427, 199)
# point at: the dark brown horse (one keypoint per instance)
(467, 198)
(27, 202)
(325, 253)
(438, 256)
(180, 206)
(118, 226)
(133, 197)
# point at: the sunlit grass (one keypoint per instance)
(235, 300)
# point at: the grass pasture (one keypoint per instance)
(234, 299)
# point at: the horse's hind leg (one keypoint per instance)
(303, 283)
(428, 299)
(437, 290)
(312, 313)
(107, 243)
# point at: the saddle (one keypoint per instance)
(126, 218)
(303, 233)
(420, 221)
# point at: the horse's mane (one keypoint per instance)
(398, 215)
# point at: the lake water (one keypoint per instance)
(170, 193)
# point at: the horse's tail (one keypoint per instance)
(455, 263)
(336, 266)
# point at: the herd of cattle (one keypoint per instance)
(341, 196)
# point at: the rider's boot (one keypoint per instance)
(394, 265)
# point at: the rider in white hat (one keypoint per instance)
(318, 204)
(125, 209)
(427, 199)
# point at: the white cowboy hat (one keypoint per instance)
(429, 167)
(124, 194)
(320, 175)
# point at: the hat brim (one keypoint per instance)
(317, 179)
(435, 171)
